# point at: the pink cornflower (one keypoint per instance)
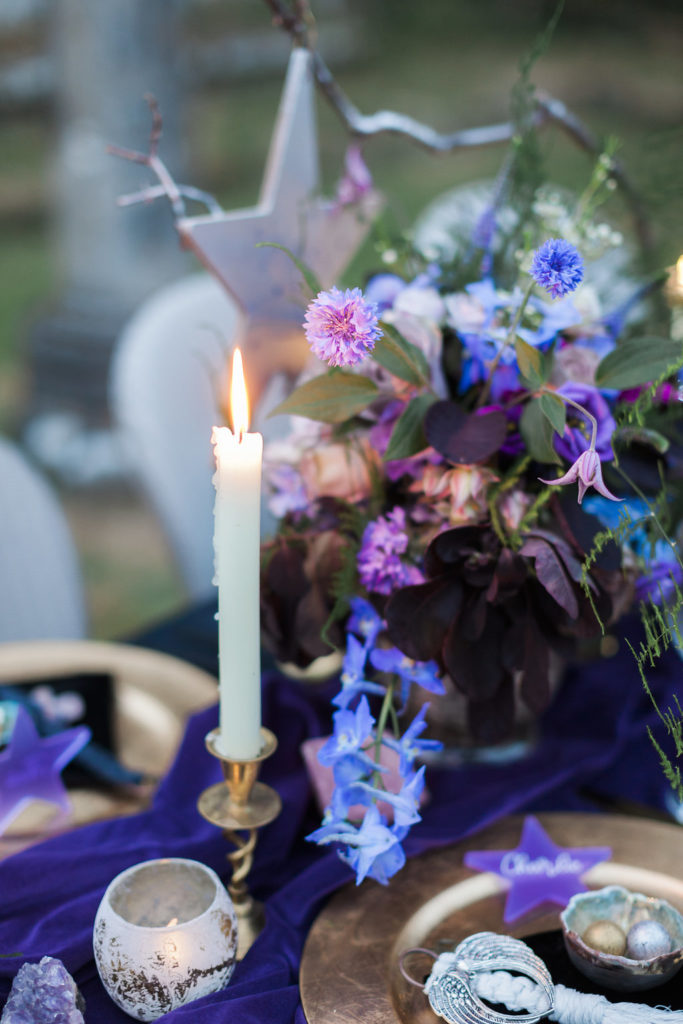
(341, 327)
(588, 471)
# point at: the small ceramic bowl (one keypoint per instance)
(625, 908)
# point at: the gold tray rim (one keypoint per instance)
(349, 969)
(154, 692)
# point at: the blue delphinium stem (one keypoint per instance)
(387, 706)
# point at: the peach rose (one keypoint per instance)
(338, 471)
(458, 495)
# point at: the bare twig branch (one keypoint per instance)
(157, 124)
(389, 122)
(148, 195)
(167, 186)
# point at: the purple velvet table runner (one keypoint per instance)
(594, 745)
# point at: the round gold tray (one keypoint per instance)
(349, 970)
(154, 694)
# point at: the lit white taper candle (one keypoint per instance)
(237, 547)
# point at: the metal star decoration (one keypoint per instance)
(537, 871)
(289, 212)
(30, 766)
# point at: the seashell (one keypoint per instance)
(625, 909)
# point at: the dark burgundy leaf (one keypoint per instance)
(511, 570)
(569, 559)
(478, 569)
(535, 688)
(492, 721)
(450, 547)
(418, 617)
(442, 421)
(473, 617)
(551, 574)
(512, 648)
(284, 585)
(464, 440)
(285, 574)
(476, 668)
(552, 619)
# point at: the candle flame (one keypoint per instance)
(239, 402)
(174, 920)
(678, 274)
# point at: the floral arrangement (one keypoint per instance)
(478, 479)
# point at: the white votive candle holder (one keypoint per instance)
(165, 934)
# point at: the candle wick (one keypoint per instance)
(240, 436)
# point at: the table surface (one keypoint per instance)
(593, 753)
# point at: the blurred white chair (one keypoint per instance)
(41, 590)
(169, 371)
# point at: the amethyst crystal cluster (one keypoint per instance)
(44, 993)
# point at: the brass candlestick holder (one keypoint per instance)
(241, 804)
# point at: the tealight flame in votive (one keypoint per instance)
(239, 402)
(173, 921)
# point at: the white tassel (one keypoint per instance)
(519, 993)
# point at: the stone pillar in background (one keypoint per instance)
(109, 54)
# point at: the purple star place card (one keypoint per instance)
(30, 766)
(537, 871)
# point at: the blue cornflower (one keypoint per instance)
(341, 327)
(353, 674)
(558, 267)
(351, 730)
(409, 746)
(364, 621)
(424, 673)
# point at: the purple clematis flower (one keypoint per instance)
(574, 439)
(356, 181)
(557, 267)
(588, 472)
(341, 327)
